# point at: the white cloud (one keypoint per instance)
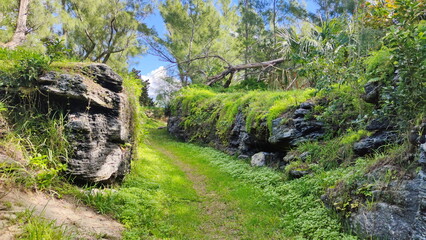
(158, 84)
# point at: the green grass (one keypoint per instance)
(36, 228)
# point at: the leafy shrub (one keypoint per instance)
(56, 49)
(21, 67)
(380, 65)
(404, 51)
(344, 109)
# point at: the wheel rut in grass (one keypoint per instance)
(221, 217)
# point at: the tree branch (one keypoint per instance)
(237, 68)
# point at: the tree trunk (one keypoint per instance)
(20, 34)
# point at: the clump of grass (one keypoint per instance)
(39, 145)
(36, 227)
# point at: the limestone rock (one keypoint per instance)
(98, 122)
(105, 76)
(260, 159)
(379, 124)
(78, 88)
(371, 144)
(398, 214)
(372, 92)
(300, 128)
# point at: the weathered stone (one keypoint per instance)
(98, 121)
(398, 214)
(379, 124)
(372, 92)
(283, 135)
(373, 143)
(294, 132)
(295, 174)
(105, 76)
(301, 112)
(307, 105)
(78, 88)
(261, 159)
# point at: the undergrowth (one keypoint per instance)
(38, 143)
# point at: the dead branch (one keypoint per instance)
(233, 69)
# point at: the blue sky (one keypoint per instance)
(147, 63)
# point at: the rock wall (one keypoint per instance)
(299, 126)
(98, 120)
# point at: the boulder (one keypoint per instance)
(98, 121)
(372, 144)
(372, 92)
(379, 124)
(262, 159)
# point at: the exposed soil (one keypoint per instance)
(80, 221)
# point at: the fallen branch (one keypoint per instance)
(233, 69)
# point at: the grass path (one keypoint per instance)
(184, 191)
(226, 208)
(219, 218)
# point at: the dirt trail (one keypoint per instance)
(82, 222)
(221, 217)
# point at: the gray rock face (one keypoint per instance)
(379, 124)
(372, 92)
(98, 121)
(298, 129)
(371, 144)
(285, 133)
(400, 212)
(105, 76)
(260, 159)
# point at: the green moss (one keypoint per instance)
(353, 136)
(205, 107)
